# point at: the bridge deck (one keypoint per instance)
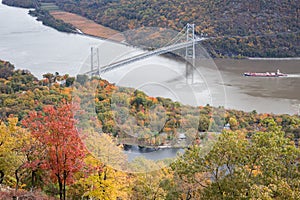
(143, 56)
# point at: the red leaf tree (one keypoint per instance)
(54, 127)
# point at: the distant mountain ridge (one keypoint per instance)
(269, 28)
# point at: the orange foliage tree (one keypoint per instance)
(54, 127)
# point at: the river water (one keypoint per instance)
(28, 44)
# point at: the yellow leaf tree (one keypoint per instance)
(12, 158)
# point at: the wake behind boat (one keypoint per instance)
(265, 74)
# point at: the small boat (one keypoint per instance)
(265, 74)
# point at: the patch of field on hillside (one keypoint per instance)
(87, 26)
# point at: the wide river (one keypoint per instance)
(28, 44)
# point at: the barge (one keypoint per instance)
(265, 74)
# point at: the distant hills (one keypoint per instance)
(269, 28)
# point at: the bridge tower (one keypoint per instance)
(190, 54)
(95, 64)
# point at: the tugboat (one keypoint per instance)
(265, 74)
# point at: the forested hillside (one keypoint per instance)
(256, 28)
(21, 93)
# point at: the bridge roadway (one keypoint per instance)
(145, 55)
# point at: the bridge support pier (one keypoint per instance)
(95, 67)
(190, 54)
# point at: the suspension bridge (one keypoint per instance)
(190, 40)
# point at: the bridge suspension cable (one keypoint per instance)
(179, 35)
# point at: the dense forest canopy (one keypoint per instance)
(217, 18)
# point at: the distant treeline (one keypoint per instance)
(20, 3)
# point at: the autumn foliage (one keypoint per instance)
(54, 128)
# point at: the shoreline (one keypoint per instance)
(284, 58)
(128, 147)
